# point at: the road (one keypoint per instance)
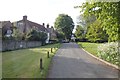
(72, 62)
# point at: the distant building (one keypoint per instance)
(52, 34)
(6, 29)
(25, 25)
(73, 37)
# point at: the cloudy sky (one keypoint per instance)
(40, 11)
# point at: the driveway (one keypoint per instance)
(72, 62)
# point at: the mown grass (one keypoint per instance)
(25, 63)
(90, 47)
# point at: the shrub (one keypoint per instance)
(109, 52)
(34, 35)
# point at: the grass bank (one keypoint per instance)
(25, 63)
(90, 47)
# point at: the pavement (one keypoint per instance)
(70, 61)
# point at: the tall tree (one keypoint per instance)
(64, 24)
(80, 32)
(95, 33)
(107, 13)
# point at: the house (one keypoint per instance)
(24, 26)
(6, 28)
(52, 34)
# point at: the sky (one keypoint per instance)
(39, 11)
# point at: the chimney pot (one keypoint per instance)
(43, 24)
(47, 25)
(25, 17)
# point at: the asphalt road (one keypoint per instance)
(72, 62)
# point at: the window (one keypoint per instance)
(20, 24)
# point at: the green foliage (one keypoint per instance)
(107, 13)
(64, 24)
(34, 35)
(79, 33)
(60, 36)
(16, 34)
(95, 33)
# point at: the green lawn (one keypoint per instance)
(25, 63)
(90, 47)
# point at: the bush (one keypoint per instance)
(34, 35)
(109, 52)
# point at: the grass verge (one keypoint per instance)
(93, 49)
(25, 63)
(90, 47)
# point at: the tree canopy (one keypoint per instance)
(79, 33)
(107, 19)
(64, 25)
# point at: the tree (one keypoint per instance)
(34, 35)
(107, 13)
(79, 33)
(65, 25)
(16, 34)
(95, 33)
(60, 36)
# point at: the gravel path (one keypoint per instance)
(72, 62)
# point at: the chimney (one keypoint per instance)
(51, 26)
(25, 18)
(43, 24)
(47, 25)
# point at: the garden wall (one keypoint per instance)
(13, 45)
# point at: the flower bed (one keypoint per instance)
(109, 52)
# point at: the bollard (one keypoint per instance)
(51, 50)
(41, 64)
(48, 54)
